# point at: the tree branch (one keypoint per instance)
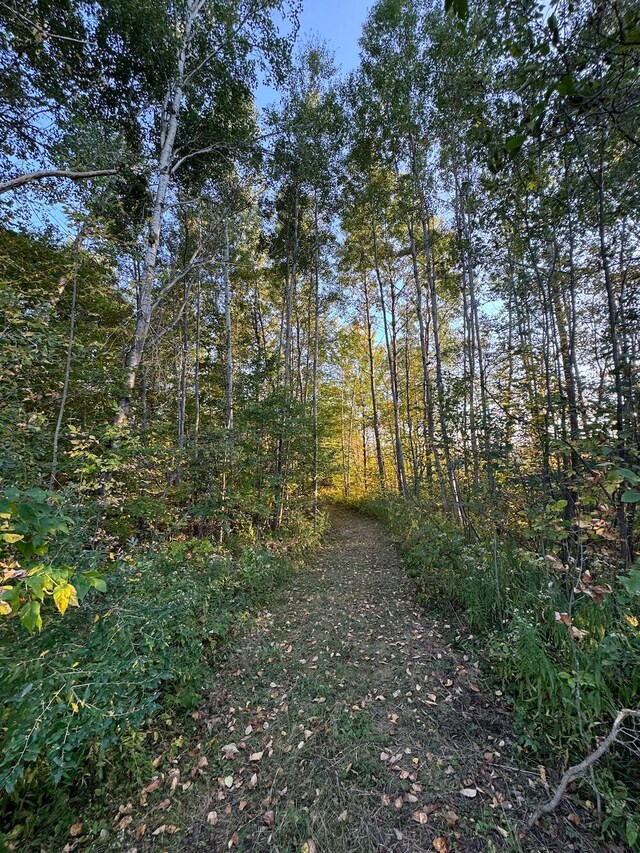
(14, 183)
(578, 769)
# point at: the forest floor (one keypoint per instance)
(345, 721)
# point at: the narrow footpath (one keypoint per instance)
(345, 722)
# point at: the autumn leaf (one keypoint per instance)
(230, 750)
(269, 819)
(75, 829)
(212, 818)
(64, 596)
(440, 844)
(256, 756)
(469, 792)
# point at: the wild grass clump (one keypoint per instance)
(563, 645)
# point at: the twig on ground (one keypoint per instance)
(578, 769)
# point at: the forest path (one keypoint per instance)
(350, 725)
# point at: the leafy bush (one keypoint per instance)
(30, 521)
(563, 643)
(87, 682)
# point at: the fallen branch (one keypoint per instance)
(14, 183)
(578, 769)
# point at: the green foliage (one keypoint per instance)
(87, 684)
(565, 650)
(32, 572)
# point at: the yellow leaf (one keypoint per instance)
(64, 595)
(631, 620)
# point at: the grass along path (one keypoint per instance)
(344, 722)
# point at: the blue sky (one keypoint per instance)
(339, 22)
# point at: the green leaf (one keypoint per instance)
(65, 595)
(36, 494)
(625, 474)
(631, 496)
(458, 8)
(30, 616)
(566, 85)
(515, 143)
(632, 582)
(12, 493)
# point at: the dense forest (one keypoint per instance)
(241, 291)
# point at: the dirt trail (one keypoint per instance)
(350, 725)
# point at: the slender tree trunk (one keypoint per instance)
(372, 383)
(75, 268)
(626, 532)
(426, 235)
(316, 335)
(168, 130)
(196, 375)
(393, 377)
(431, 444)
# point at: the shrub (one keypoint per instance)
(564, 645)
(87, 682)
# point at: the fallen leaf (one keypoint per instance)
(440, 844)
(125, 821)
(253, 781)
(160, 830)
(309, 846)
(228, 751)
(342, 816)
(140, 830)
(469, 792)
(228, 781)
(451, 817)
(152, 786)
(212, 818)
(170, 829)
(398, 834)
(420, 816)
(256, 756)
(164, 805)
(76, 829)
(269, 819)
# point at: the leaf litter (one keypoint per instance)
(346, 721)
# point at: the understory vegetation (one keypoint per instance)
(236, 280)
(89, 701)
(512, 607)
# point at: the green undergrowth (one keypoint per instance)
(563, 646)
(85, 701)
